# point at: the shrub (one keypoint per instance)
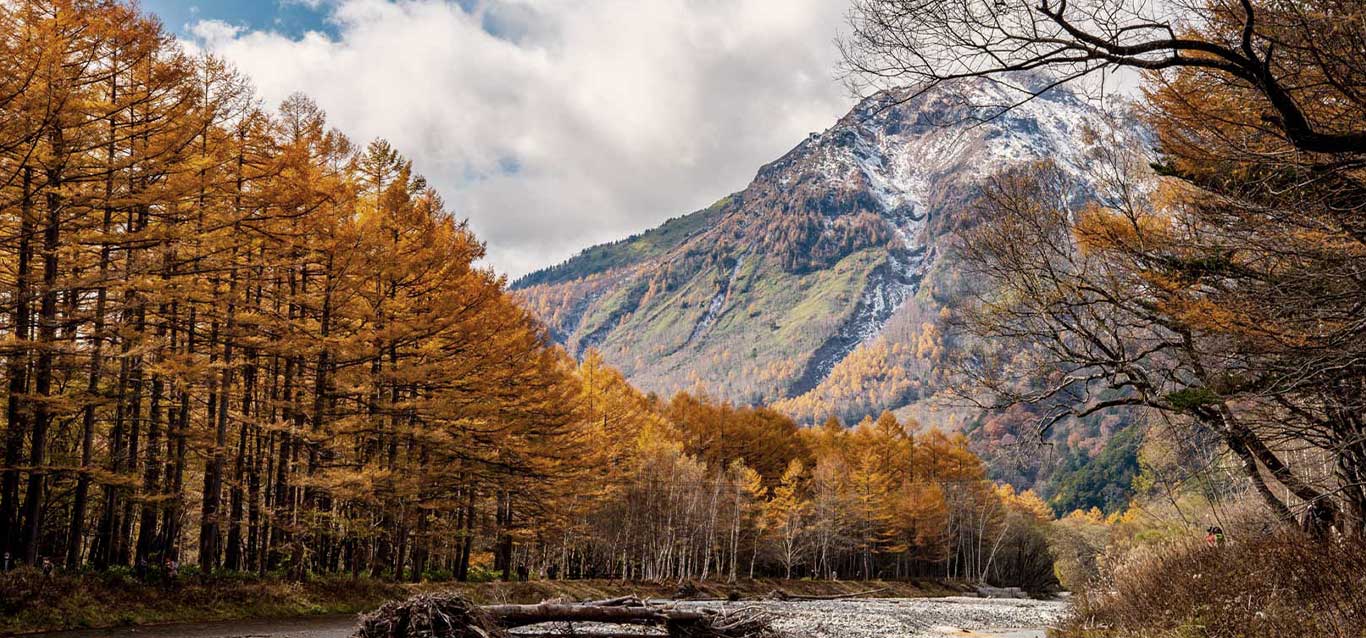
(438, 575)
(481, 574)
(1278, 585)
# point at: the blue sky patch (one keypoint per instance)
(290, 17)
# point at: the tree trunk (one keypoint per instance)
(17, 413)
(42, 383)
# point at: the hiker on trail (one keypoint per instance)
(47, 567)
(6, 565)
(1320, 519)
(1214, 536)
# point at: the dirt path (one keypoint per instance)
(868, 618)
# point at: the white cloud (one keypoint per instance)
(553, 125)
(214, 31)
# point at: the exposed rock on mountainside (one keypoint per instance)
(819, 287)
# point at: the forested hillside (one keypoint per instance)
(235, 339)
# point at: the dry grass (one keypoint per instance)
(1277, 586)
(538, 590)
(30, 601)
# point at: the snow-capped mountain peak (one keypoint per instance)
(836, 249)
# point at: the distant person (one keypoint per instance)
(6, 565)
(1320, 519)
(47, 567)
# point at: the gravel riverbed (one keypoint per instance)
(958, 616)
(914, 617)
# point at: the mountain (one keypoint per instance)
(819, 288)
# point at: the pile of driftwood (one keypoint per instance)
(452, 616)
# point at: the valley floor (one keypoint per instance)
(30, 602)
(863, 618)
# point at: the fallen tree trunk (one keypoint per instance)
(452, 616)
(779, 594)
(619, 601)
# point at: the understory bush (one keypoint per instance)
(1281, 585)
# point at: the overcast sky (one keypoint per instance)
(550, 124)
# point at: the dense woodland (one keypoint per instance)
(236, 340)
(698, 490)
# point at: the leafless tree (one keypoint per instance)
(1236, 303)
(1291, 52)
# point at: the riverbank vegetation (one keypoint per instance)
(30, 601)
(239, 345)
(1196, 554)
(1275, 585)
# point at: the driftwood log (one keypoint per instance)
(428, 616)
(779, 594)
(453, 616)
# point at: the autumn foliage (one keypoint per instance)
(233, 338)
(231, 335)
(704, 490)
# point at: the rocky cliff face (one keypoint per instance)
(819, 286)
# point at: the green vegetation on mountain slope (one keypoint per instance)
(746, 323)
(625, 252)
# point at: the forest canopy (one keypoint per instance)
(234, 338)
